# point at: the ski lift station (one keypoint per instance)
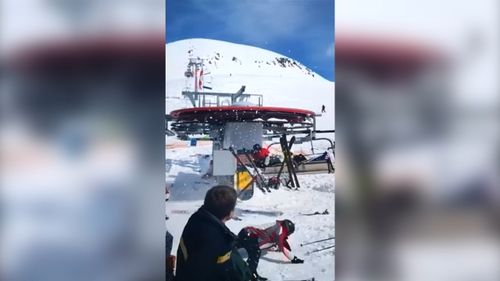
(237, 123)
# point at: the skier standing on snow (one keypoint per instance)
(207, 247)
(323, 109)
(253, 240)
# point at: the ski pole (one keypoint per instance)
(317, 241)
(325, 212)
(322, 249)
(238, 160)
(254, 167)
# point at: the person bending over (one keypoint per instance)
(253, 240)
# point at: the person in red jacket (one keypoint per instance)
(253, 240)
(260, 155)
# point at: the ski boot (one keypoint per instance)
(257, 277)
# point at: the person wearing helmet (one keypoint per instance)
(273, 238)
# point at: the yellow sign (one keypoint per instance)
(243, 180)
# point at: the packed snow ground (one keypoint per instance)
(317, 193)
(282, 82)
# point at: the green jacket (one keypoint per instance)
(207, 251)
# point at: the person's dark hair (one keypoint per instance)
(220, 200)
(256, 147)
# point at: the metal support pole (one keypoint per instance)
(313, 134)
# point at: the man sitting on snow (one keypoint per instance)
(206, 248)
(253, 240)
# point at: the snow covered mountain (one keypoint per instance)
(281, 80)
(224, 58)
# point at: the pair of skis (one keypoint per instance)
(256, 175)
(261, 180)
(293, 181)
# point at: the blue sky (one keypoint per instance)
(300, 29)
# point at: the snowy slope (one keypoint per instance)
(289, 84)
(317, 193)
